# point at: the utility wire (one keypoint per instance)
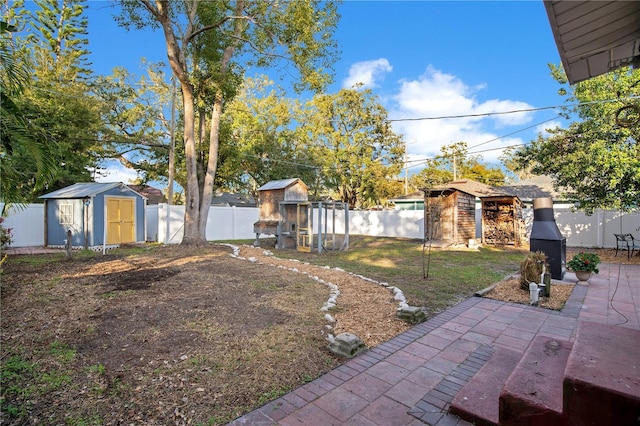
(516, 111)
(424, 160)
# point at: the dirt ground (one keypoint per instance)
(171, 335)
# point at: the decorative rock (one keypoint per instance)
(411, 314)
(347, 345)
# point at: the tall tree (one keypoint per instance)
(261, 144)
(60, 49)
(137, 120)
(19, 140)
(56, 103)
(596, 160)
(350, 134)
(432, 174)
(209, 43)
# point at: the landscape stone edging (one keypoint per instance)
(334, 289)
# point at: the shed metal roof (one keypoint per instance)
(86, 189)
(280, 184)
(595, 37)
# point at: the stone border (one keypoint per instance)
(334, 291)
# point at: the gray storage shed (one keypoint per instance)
(97, 214)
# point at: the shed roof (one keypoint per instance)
(280, 184)
(411, 197)
(86, 189)
(153, 195)
(469, 186)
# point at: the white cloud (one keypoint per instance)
(368, 73)
(544, 128)
(438, 94)
(501, 120)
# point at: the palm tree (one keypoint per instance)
(18, 139)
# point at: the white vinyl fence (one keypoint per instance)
(165, 224)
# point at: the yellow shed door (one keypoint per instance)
(120, 220)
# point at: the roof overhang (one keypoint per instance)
(595, 37)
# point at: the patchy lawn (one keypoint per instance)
(173, 335)
(164, 336)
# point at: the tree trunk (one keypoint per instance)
(178, 63)
(214, 133)
(212, 164)
(192, 235)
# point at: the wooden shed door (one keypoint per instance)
(120, 220)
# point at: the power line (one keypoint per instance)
(513, 133)
(424, 160)
(516, 111)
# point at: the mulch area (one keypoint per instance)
(509, 289)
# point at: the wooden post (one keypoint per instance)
(68, 244)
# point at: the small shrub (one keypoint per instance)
(6, 237)
(531, 269)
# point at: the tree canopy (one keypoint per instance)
(26, 165)
(596, 159)
(209, 44)
(455, 163)
(360, 156)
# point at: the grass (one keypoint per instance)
(240, 362)
(435, 279)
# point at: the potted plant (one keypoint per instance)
(584, 264)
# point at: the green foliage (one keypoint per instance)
(27, 165)
(260, 144)
(596, 160)
(14, 367)
(137, 121)
(63, 353)
(60, 52)
(359, 154)
(584, 261)
(209, 56)
(15, 374)
(455, 157)
(5, 236)
(53, 380)
(50, 125)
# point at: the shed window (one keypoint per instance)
(66, 214)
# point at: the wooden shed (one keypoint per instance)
(99, 215)
(450, 213)
(502, 221)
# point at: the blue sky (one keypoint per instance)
(423, 59)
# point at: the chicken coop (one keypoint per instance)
(286, 212)
(282, 207)
(502, 221)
